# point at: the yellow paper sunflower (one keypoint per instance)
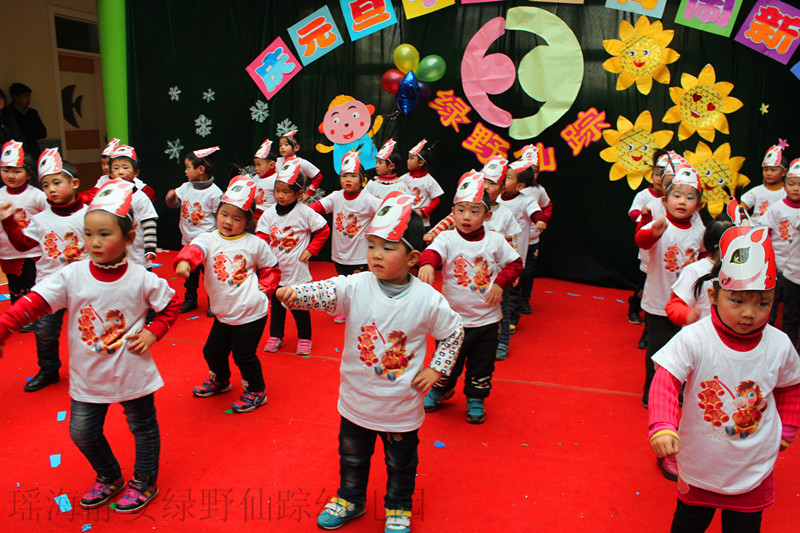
(631, 148)
(641, 56)
(701, 104)
(717, 169)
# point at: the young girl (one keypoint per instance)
(16, 170)
(264, 164)
(422, 186)
(198, 200)
(773, 170)
(105, 163)
(107, 299)
(352, 210)
(288, 147)
(386, 163)
(746, 376)
(295, 233)
(672, 242)
(243, 274)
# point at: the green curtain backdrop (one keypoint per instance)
(197, 45)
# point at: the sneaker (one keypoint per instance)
(435, 398)
(250, 401)
(476, 414)
(303, 347)
(512, 328)
(338, 512)
(643, 340)
(669, 467)
(339, 319)
(101, 491)
(189, 304)
(525, 309)
(398, 521)
(138, 495)
(211, 387)
(273, 344)
(502, 352)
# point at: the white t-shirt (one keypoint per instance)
(684, 286)
(641, 199)
(469, 269)
(538, 193)
(381, 189)
(265, 193)
(289, 236)
(423, 189)
(675, 249)
(659, 210)
(735, 393)
(503, 222)
(759, 199)
(142, 209)
(522, 206)
(231, 277)
(351, 219)
(101, 315)
(198, 210)
(60, 240)
(25, 204)
(783, 221)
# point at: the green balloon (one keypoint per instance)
(406, 58)
(431, 68)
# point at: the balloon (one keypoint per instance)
(408, 94)
(431, 68)
(391, 80)
(424, 91)
(406, 58)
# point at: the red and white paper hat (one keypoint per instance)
(264, 149)
(241, 193)
(494, 169)
(110, 147)
(529, 156)
(470, 188)
(114, 197)
(13, 155)
(289, 171)
(123, 150)
(386, 149)
(670, 162)
(289, 134)
(350, 163)
(748, 260)
(774, 155)
(205, 152)
(794, 169)
(686, 174)
(418, 147)
(391, 219)
(50, 163)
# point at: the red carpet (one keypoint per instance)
(564, 446)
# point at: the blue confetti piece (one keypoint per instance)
(598, 297)
(63, 503)
(86, 527)
(61, 416)
(439, 444)
(17, 484)
(620, 301)
(549, 292)
(193, 318)
(4, 297)
(156, 265)
(571, 294)
(55, 460)
(28, 379)
(336, 350)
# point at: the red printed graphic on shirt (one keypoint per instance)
(67, 249)
(347, 226)
(744, 406)
(112, 335)
(475, 277)
(233, 271)
(417, 195)
(675, 258)
(762, 208)
(21, 217)
(260, 197)
(283, 239)
(394, 361)
(785, 229)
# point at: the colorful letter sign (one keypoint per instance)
(315, 35)
(713, 16)
(772, 28)
(273, 68)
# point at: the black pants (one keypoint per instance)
(193, 281)
(242, 341)
(346, 270)
(277, 318)
(790, 318)
(477, 353)
(661, 330)
(696, 519)
(19, 286)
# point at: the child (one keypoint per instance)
(389, 316)
(264, 164)
(288, 147)
(386, 181)
(295, 233)
(105, 163)
(352, 210)
(478, 265)
(107, 299)
(245, 274)
(747, 377)
(773, 170)
(57, 233)
(420, 182)
(198, 200)
(672, 242)
(16, 170)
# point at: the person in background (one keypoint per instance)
(27, 118)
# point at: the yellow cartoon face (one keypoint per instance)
(631, 148)
(640, 56)
(718, 170)
(701, 106)
(714, 176)
(635, 150)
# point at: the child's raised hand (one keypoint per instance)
(140, 342)
(305, 256)
(541, 225)
(286, 296)
(426, 274)
(692, 317)
(495, 295)
(659, 227)
(665, 445)
(183, 269)
(171, 195)
(428, 238)
(6, 210)
(425, 379)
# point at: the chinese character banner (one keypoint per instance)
(417, 8)
(273, 68)
(651, 8)
(713, 16)
(772, 29)
(315, 35)
(364, 17)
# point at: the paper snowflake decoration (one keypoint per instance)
(174, 149)
(260, 111)
(203, 126)
(208, 96)
(174, 93)
(284, 126)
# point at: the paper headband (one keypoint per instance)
(748, 260)
(264, 150)
(351, 164)
(241, 193)
(686, 174)
(794, 169)
(114, 197)
(391, 219)
(386, 150)
(774, 155)
(110, 147)
(205, 152)
(670, 162)
(418, 148)
(495, 169)
(470, 189)
(289, 171)
(529, 156)
(50, 162)
(123, 150)
(13, 154)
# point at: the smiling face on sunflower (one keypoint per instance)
(717, 171)
(631, 148)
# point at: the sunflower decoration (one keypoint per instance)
(717, 171)
(641, 56)
(701, 105)
(631, 148)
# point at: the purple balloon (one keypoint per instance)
(424, 91)
(408, 94)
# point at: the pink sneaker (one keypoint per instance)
(273, 344)
(339, 319)
(669, 467)
(304, 347)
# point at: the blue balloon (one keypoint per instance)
(408, 94)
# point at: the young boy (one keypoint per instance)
(478, 265)
(389, 316)
(264, 164)
(386, 181)
(427, 192)
(760, 197)
(198, 200)
(105, 158)
(58, 233)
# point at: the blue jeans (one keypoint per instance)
(47, 330)
(356, 446)
(86, 430)
(528, 273)
(510, 306)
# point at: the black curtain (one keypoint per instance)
(197, 45)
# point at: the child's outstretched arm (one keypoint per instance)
(155, 330)
(445, 224)
(429, 261)
(16, 237)
(663, 410)
(787, 401)
(150, 232)
(27, 309)
(646, 238)
(679, 312)
(268, 279)
(190, 257)
(172, 199)
(442, 361)
(313, 296)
